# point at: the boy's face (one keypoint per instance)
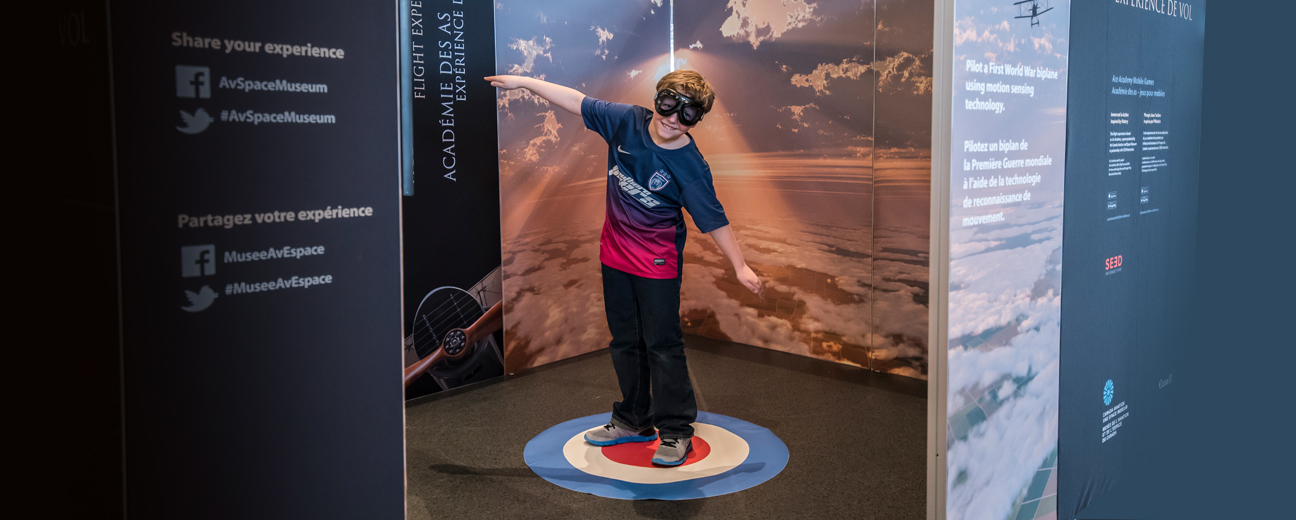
(676, 103)
(669, 128)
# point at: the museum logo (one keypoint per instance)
(194, 123)
(197, 261)
(199, 301)
(193, 82)
(1114, 264)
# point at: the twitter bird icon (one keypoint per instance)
(200, 300)
(194, 123)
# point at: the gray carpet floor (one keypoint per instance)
(857, 440)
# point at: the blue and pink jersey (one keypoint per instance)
(647, 187)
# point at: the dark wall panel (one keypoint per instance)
(259, 183)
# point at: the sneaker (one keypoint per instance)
(672, 452)
(612, 434)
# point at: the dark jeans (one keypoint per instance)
(648, 352)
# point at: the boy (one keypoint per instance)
(654, 170)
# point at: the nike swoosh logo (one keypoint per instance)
(622, 151)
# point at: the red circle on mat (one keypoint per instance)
(641, 453)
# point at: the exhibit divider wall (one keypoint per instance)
(450, 219)
(1134, 135)
(1000, 219)
(1058, 120)
(258, 180)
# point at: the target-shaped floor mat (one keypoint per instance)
(728, 455)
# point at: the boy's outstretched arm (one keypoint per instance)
(568, 99)
(728, 243)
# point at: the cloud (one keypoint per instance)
(530, 49)
(995, 45)
(549, 134)
(798, 111)
(633, 73)
(997, 287)
(603, 36)
(658, 2)
(966, 31)
(1043, 42)
(1011, 44)
(1001, 455)
(849, 68)
(765, 20)
(697, 45)
(903, 72)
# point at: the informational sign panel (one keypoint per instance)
(259, 179)
(1131, 222)
(1007, 148)
(451, 213)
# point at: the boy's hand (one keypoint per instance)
(505, 82)
(748, 278)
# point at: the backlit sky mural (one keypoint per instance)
(830, 202)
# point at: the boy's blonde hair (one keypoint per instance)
(691, 84)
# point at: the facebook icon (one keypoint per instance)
(193, 82)
(197, 261)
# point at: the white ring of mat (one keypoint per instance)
(727, 452)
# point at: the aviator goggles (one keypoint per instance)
(669, 102)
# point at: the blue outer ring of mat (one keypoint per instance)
(767, 456)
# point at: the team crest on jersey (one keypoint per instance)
(659, 180)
